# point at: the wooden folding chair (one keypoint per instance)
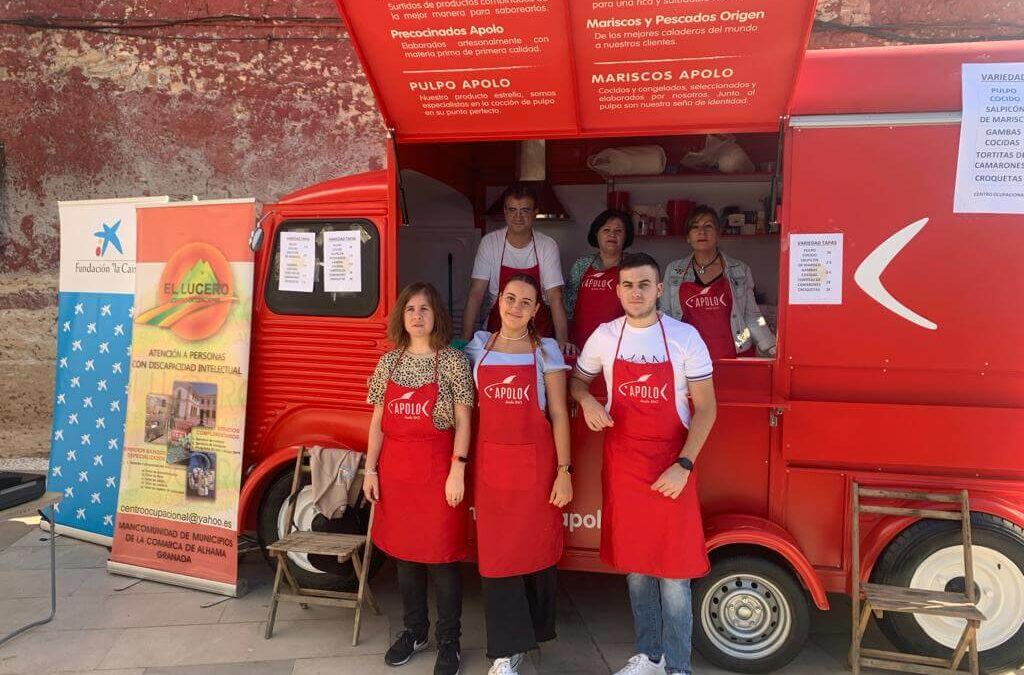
(342, 546)
(879, 598)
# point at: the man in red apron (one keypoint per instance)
(652, 528)
(518, 249)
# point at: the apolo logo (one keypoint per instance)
(195, 293)
(640, 390)
(705, 300)
(508, 391)
(405, 406)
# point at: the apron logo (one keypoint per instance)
(404, 405)
(596, 282)
(704, 300)
(639, 390)
(507, 391)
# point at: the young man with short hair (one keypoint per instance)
(652, 529)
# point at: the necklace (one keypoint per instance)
(515, 339)
(703, 268)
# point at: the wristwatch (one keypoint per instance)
(567, 468)
(685, 463)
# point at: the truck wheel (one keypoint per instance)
(928, 555)
(750, 615)
(314, 571)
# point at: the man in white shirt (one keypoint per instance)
(652, 527)
(517, 248)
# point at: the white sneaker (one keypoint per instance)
(506, 666)
(640, 664)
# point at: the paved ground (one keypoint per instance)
(117, 626)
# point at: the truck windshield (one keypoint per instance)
(324, 268)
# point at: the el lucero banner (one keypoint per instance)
(182, 464)
(94, 332)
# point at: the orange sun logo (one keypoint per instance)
(195, 293)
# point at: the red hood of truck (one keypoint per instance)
(473, 70)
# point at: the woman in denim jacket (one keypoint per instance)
(715, 293)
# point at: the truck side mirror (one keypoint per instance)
(256, 235)
(256, 238)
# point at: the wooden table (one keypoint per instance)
(49, 499)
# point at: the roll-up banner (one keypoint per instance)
(182, 465)
(94, 332)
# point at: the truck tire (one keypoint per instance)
(750, 615)
(313, 571)
(928, 554)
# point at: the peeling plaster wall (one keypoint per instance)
(85, 115)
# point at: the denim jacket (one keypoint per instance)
(746, 320)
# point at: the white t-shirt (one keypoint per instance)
(488, 262)
(547, 362)
(690, 358)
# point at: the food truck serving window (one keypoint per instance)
(324, 268)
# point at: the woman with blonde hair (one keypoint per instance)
(422, 398)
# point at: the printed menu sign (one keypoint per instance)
(297, 264)
(816, 269)
(990, 165)
(457, 68)
(444, 66)
(707, 63)
(342, 265)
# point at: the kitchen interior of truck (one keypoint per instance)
(447, 190)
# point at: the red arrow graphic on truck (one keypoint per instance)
(870, 270)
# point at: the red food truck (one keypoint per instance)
(908, 374)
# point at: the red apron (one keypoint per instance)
(542, 320)
(643, 531)
(518, 531)
(596, 302)
(708, 309)
(414, 521)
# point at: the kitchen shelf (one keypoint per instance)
(721, 236)
(588, 177)
(692, 178)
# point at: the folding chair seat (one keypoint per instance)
(345, 547)
(879, 598)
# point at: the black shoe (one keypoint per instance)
(449, 658)
(405, 646)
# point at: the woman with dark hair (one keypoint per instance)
(715, 293)
(590, 298)
(522, 467)
(422, 398)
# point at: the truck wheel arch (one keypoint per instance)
(730, 530)
(328, 428)
(887, 529)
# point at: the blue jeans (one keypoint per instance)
(662, 619)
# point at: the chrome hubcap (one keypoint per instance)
(746, 616)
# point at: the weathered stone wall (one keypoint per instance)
(226, 109)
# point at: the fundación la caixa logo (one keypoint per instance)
(108, 238)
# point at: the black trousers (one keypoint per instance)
(520, 611)
(412, 582)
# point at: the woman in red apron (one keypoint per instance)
(590, 297)
(422, 396)
(715, 294)
(652, 527)
(521, 475)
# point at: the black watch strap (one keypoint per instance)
(685, 463)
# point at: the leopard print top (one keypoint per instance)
(454, 375)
